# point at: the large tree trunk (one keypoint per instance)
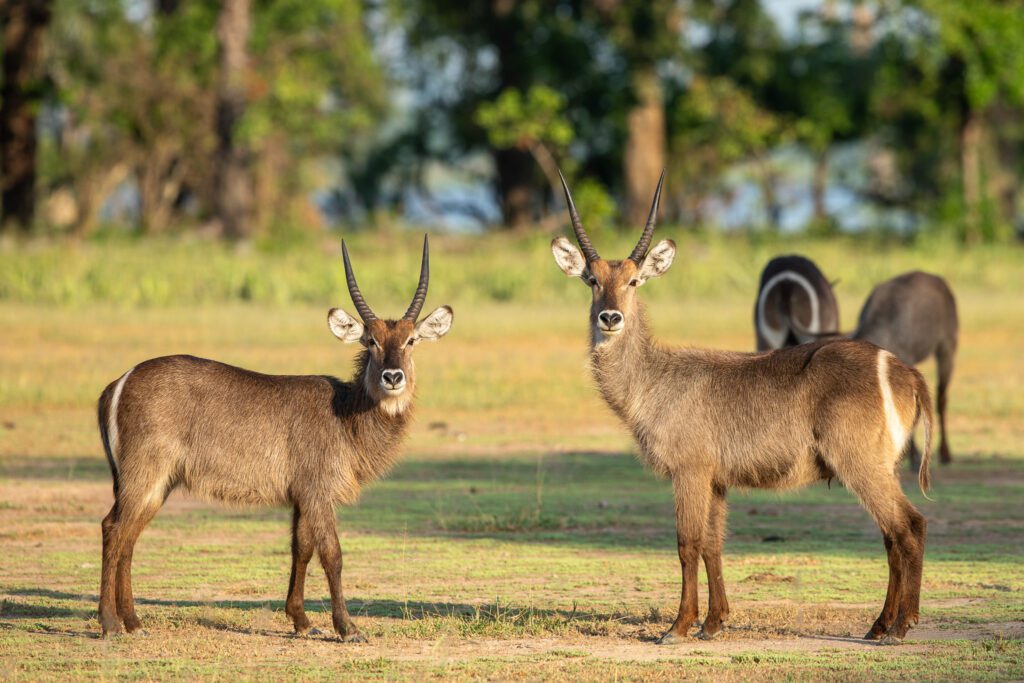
(24, 23)
(644, 156)
(515, 184)
(1003, 153)
(971, 137)
(233, 175)
(160, 179)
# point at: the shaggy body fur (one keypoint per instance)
(712, 420)
(306, 441)
(241, 437)
(795, 304)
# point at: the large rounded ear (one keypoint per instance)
(435, 325)
(345, 327)
(657, 261)
(568, 257)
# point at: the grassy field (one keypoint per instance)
(518, 537)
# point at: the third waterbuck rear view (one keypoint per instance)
(712, 420)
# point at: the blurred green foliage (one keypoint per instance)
(908, 112)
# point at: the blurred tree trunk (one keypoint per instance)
(91, 188)
(971, 135)
(515, 183)
(644, 156)
(233, 174)
(160, 178)
(1001, 161)
(24, 23)
(515, 167)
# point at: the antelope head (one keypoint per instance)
(612, 283)
(389, 374)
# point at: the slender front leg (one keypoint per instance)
(302, 552)
(718, 604)
(325, 536)
(693, 496)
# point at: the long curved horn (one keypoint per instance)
(362, 307)
(421, 289)
(640, 250)
(577, 225)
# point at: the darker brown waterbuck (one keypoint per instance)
(795, 304)
(228, 434)
(711, 420)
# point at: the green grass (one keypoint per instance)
(495, 268)
(518, 537)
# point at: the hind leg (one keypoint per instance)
(109, 621)
(944, 360)
(890, 609)
(133, 526)
(910, 535)
(903, 528)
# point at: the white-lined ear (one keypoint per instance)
(568, 257)
(658, 260)
(345, 327)
(435, 325)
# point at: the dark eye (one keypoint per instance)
(411, 341)
(634, 283)
(592, 281)
(372, 342)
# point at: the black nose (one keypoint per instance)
(393, 377)
(610, 318)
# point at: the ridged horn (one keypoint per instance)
(421, 289)
(362, 308)
(640, 250)
(577, 225)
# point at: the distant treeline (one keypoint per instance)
(244, 118)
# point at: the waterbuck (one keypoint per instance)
(794, 305)
(912, 315)
(711, 420)
(228, 434)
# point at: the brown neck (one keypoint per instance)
(621, 367)
(375, 431)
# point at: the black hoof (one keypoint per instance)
(890, 639)
(356, 637)
(669, 638)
